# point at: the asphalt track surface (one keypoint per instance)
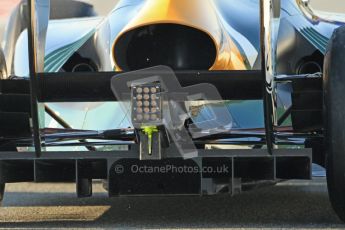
(290, 205)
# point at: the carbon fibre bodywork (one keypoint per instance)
(267, 70)
(300, 38)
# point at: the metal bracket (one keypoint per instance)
(267, 67)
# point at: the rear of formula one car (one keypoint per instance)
(182, 138)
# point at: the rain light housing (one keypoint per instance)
(146, 104)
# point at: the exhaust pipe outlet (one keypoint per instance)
(178, 46)
(168, 33)
(309, 67)
(83, 67)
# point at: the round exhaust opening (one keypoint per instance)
(78, 63)
(177, 46)
(309, 67)
(83, 67)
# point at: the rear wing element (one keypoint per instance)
(39, 11)
(263, 79)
